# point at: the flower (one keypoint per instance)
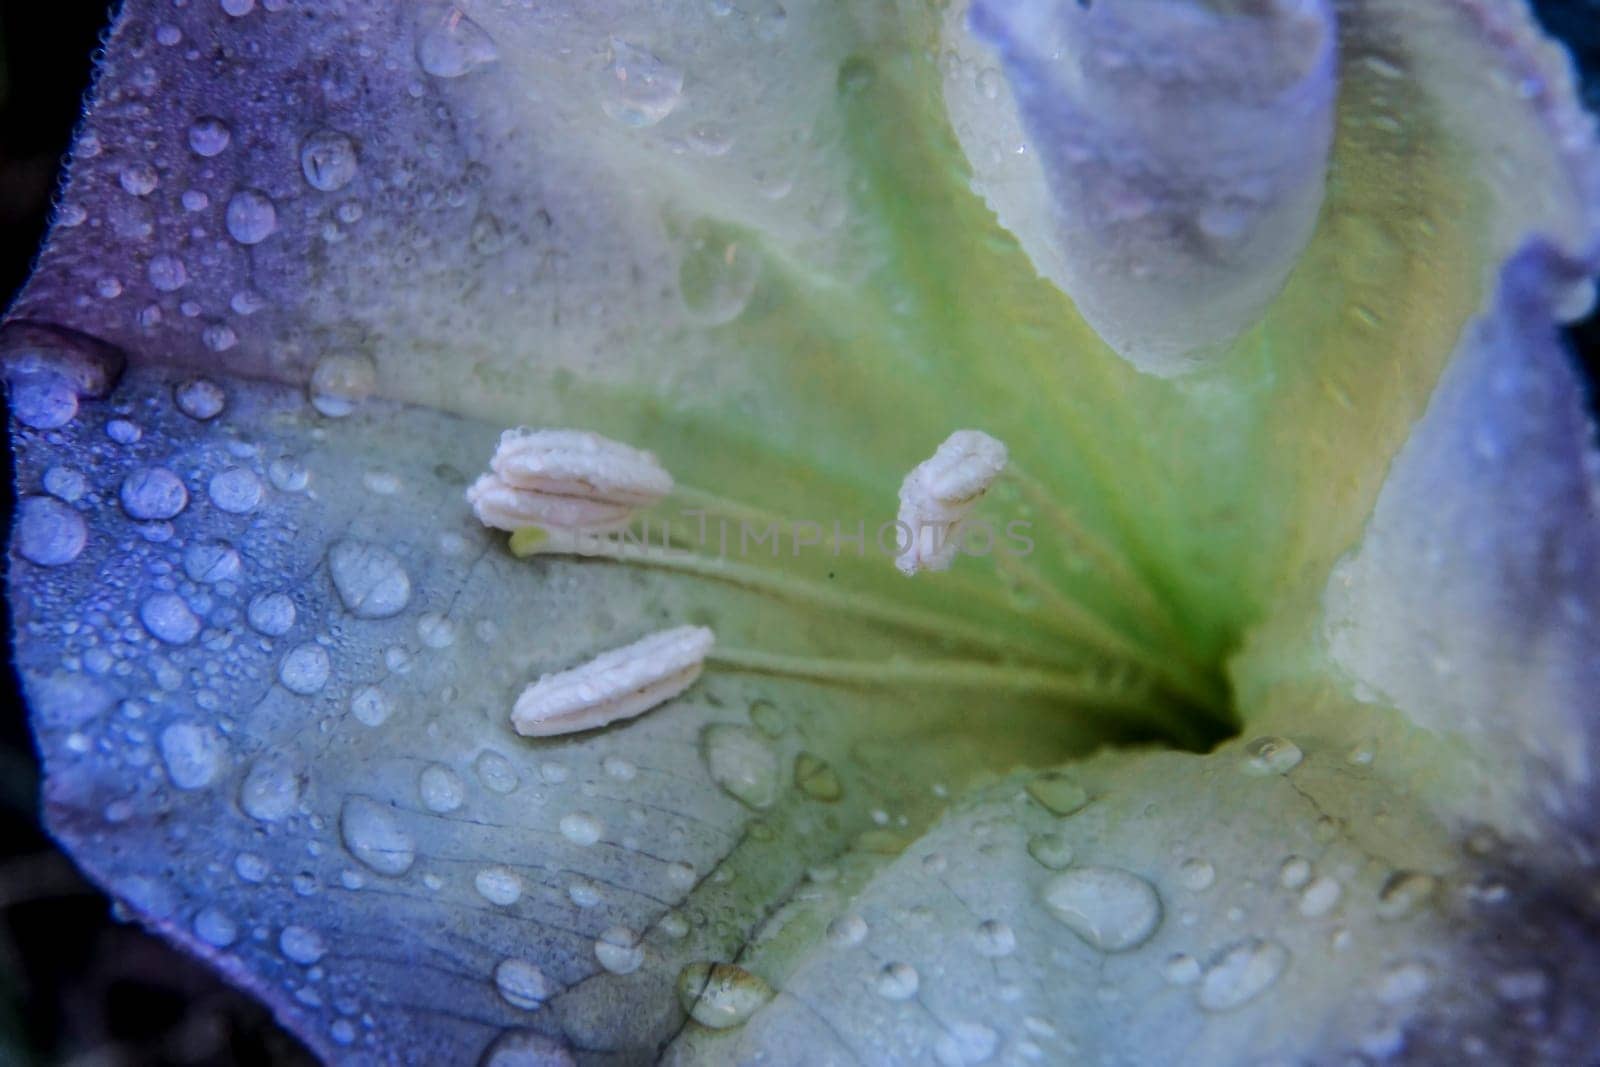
(1261, 728)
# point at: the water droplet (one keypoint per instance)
(301, 945)
(151, 493)
(194, 754)
(328, 160)
(271, 614)
(1271, 755)
(238, 8)
(1403, 892)
(816, 778)
(1197, 875)
(498, 885)
(524, 1048)
(236, 490)
(1403, 982)
(138, 179)
(341, 381)
(619, 951)
(1181, 969)
(1050, 850)
(251, 868)
(1295, 872)
(167, 272)
(373, 835)
(48, 532)
(619, 769)
(305, 669)
(168, 618)
(43, 401)
(209, 136)
(584, 893)
(250, 216)
(1522, 985)
(640, 90)
(271, 789)
(123, 432)
(709, 139)
(1320, 897)
(210, 562)
(581, 829)
(1111, 909)
(213, 926)
(674, 925)
(740, 762)
(200, 398)
(435, 630)
(847, 931)
(897, 981)
(767, 718)
(369, 579)
(965, 1042)
(442, 789)
(1058, 792)
(453, 45)
(288, 475)
(1242, 973)
(521, 984)
(718, 274)
(994, 938)
(369, 706)
(720, 996)
(497, 774)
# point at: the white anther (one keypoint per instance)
(938, 493)
(619, 684)
(566, 479)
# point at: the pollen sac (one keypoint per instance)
(620, 684)
(1178, 152)
(937, 495)
(566, 480)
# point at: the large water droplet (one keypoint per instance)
(167, 272)
(741, 763)
(639, 89)
(209, 136)
(302, 944)
(1050, 850)
(1241, 974)
(1058, 792)
(271, 789)
(44, 401)
(441, 788)
(152, 493)
(524, 1048)
(305, 669)
(138, 179)
(452, 45)
(250, 216)
(48, 532)
(619, 951)
(369, 579)
(1111, 909)
(236, 490)
(1295, 872)
(897, 981)
(210, 562)
(522, 984)
(271, 614)
(720, 995)
(581, 829)
(496, 773)
(168, 618)
(498, 885)
(373, 835)
(370, 706)
(328, 160)
(1270, 755)
(718, 274)
(1320, 897)
(341, 381)
(214, 926)
(194, 754)
(200, 398)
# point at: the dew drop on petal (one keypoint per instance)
(1110, 909)
(373, 835)
(1241, 973)
(1320, 897)
(328, 160)
(817, 779)
(741, 763)
(250, 216)
(897, 981)
(271, 614)
(213, 926)
(1058, 792)
(167, 272)
(994, 938)
(194, 754)
(209, 136)
(370, 706)
(305, 670)
(340, 381)
(847, 931)
(1270, 755)
(43, 401)
(210, 562)
(168, 618)
(619, 769)
(497, 774)
(1050, 850)
(441, 788)
(370, 580)
(1295, 872)
(301, 944)
(717, 275)
(581, 829)
(48, 532)
(618, 950)
(522, 984)
(498, 885)
(1403, 892)
(151, 493)
(138, 179)
(1181, 969)
(721, 996)
(638, 88)
(453, 45)
(271, 789)
(236, 490)
(1197, 875)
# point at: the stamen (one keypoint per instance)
(567, 480)
(938, 493)
(619, 684)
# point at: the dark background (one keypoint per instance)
(76, 987)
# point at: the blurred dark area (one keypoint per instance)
(77, 986)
